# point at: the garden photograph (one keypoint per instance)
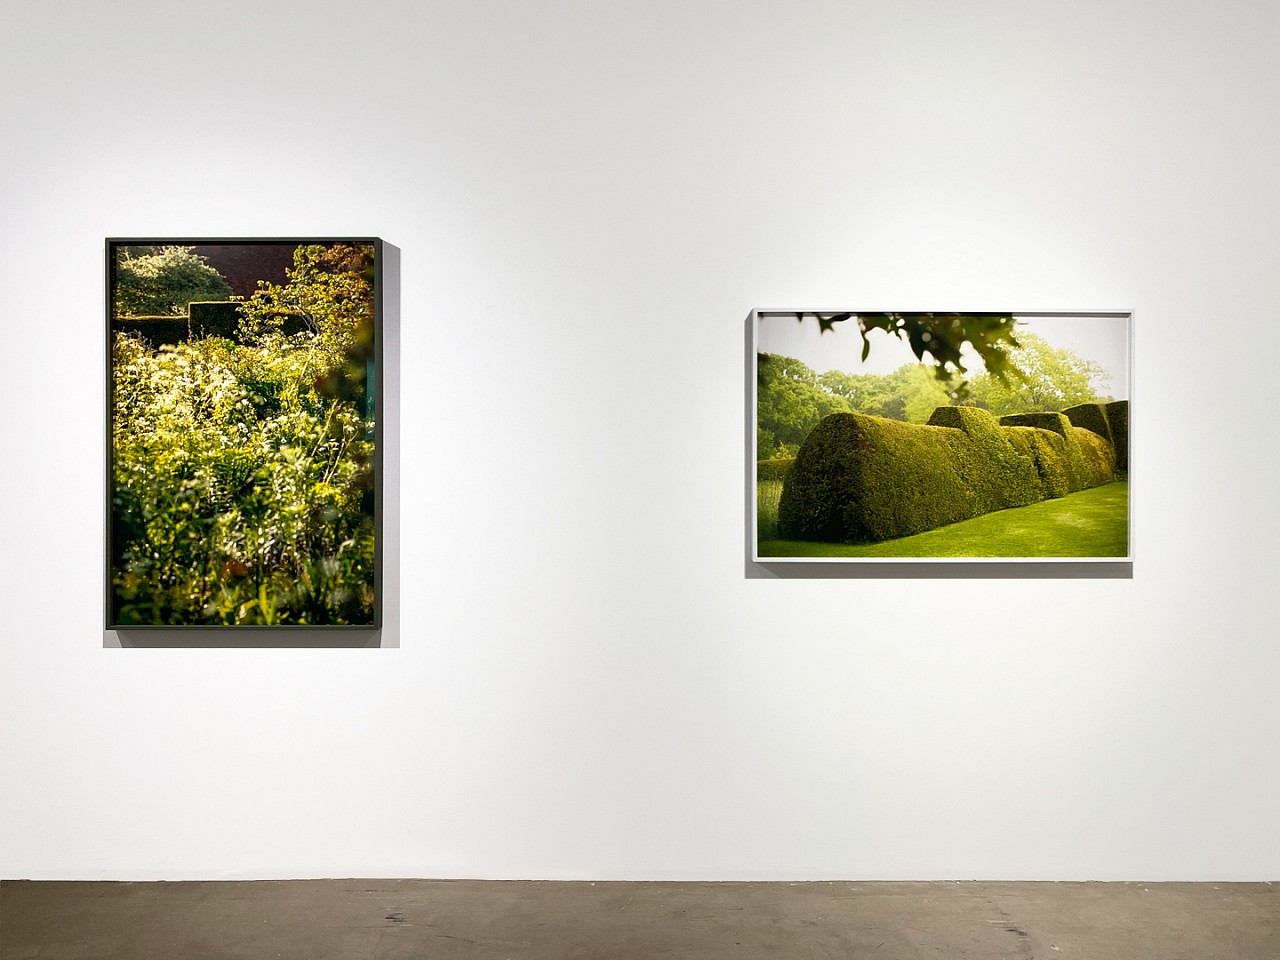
(941, 435)
(242, 434)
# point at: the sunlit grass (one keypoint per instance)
(1091, 523)
(768, 494)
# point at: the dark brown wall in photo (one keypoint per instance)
(243, 265)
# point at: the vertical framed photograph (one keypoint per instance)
(941, 436)
(244, 451)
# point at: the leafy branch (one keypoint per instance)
(940, 335)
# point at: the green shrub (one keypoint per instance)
(847, 483)
(213, 318)
(768, 493)
(155, 332)
(775, 469)
(1043, 421)
(153, 281)
(1085, 455)
(1118, 417)
(1098, 459)
(859, 478)
(209, 318)
(997, 474)
(241, 494)
(1048, 452)
(1091, 416)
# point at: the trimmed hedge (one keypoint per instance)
(859, 478)
(205, 318)
(1047, 452)
(1091, 416)
(775, 469)
(1099, 459)
(997, 474)
(1118, 417)
(1043, 421)
(1088, 460)
(865, 478)
(214, 318)
(155, 331)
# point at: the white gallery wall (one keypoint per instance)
(590, 680)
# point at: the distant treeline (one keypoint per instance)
(792, 398)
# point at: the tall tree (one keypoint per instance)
(332, 289)
(162, 281)
(1042, 378)
(790, 403)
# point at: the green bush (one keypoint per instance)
(152, 281)
(1118, 417)
(1048, 453)
(768, 493)
(1091, 416)
(1042, 421)
(213, 318)
(1088, 459)
(859, 478)
(155, 332)
(775, 469)
(1098, 456)
(240, 495)
(209, 318)
(996, 474)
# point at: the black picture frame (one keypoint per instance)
(111, 248)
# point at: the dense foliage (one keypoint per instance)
(1118, 418)
(243, 471)
(1091, 416)
(1038, 377)
(775, 469)
(791, 399)
(161, 281)
(859, 478)
(939, 336)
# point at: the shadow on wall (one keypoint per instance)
(205, 637)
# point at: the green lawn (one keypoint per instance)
(1091, 523)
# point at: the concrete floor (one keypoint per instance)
(505, 920)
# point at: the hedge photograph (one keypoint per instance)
(243, 441)
(941, 435)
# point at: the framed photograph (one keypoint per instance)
(941, 436)
(244, 450)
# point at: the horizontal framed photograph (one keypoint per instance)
(941, 436)
(244, 451)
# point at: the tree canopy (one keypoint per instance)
(331, 288)
(1040, 378)
(792, 398)
(940, 336)
(162, 281)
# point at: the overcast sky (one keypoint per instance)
(1104, 340)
